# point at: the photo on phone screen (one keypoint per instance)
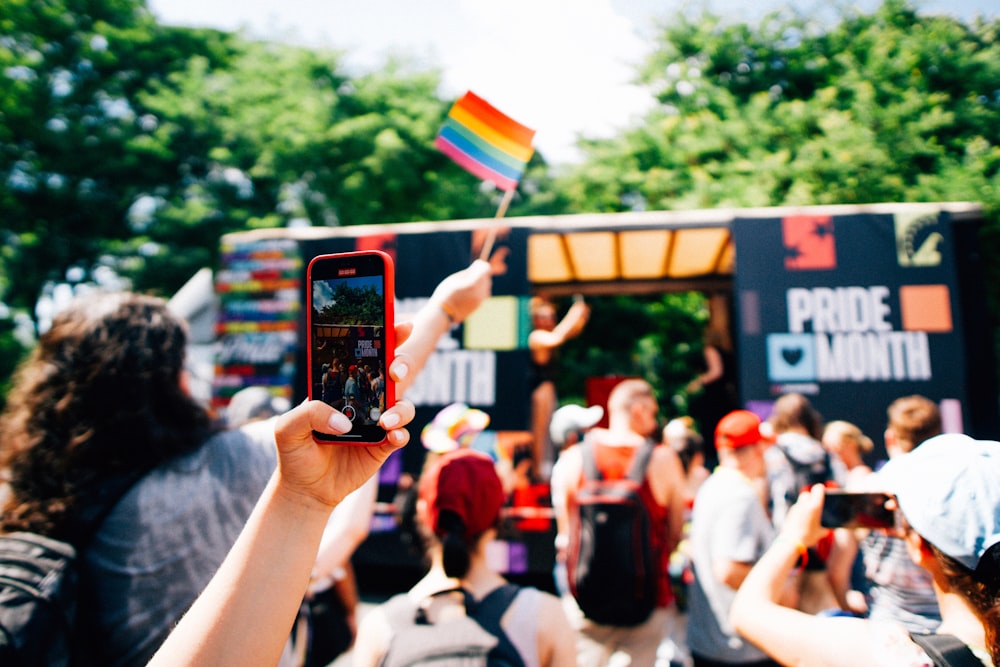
(351, 340)
(846, 509)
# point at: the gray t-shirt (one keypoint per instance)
(728, 524)
(161, 544)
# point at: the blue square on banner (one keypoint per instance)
(791, 358)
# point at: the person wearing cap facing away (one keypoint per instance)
(568, 427)
(730, 530)
(948, 513)
(570, 422)
(632, 423)
(458, 510)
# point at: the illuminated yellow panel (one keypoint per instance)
(547, 261)
(493, 326)
(644, 253)
(593, 255)
(728, 260)
(695, 251)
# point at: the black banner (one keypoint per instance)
(853, 311)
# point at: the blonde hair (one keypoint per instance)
(844, 430)
(627, 392)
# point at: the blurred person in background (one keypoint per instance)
(458, 510)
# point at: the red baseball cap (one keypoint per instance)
(740, 428)
(465, 482)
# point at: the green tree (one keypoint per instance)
(655, 337)
(352, 305)
(129, 148)
(888, 106)
(69, 127)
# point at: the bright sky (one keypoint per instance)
(562, 67)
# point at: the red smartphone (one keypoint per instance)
(351, 338)
(846, 509)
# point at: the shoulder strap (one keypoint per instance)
(637, 471)
(946, 650)
(588, 454)
(489, 611)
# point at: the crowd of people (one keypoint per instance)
(354, 385)
(214, 538)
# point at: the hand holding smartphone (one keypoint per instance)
(847, 509)
(351, 338)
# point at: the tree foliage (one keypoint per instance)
(128, 148)
(351, 306)
(655, 337)
(888, 106)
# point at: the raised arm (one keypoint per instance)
(569, 326)
(453, 300)
(790, 636)
(244, 615)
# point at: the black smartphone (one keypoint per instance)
(351, 338)
(849, 509)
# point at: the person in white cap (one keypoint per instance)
(252, 404)
(570, 422)
(948, 512)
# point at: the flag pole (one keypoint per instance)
(491, 235)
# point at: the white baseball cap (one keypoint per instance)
(571, 418)
(948, 488)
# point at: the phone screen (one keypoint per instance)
(845, 509)
(351, 340)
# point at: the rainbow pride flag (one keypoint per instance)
(486, 142)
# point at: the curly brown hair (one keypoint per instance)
(981, 588)
(98, 398)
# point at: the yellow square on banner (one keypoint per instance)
(494, 325)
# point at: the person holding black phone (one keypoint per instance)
(948, 505)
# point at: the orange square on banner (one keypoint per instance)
(925, 308)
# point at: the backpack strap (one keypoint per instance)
(636, 471)
(946, 650)
(588, 454)
(488, 612)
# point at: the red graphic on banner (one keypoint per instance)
(384, 242)
(809, 242)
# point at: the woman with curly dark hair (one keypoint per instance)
(102, 396)
(100, 409)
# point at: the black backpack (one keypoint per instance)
(611, 565)
(946, 650)
(39, 583)
(38, 587)
(474, 639)
(819, 471)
